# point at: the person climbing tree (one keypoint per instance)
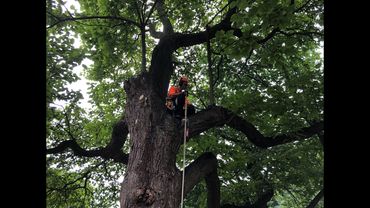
(176, 98)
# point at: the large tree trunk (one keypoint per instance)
(152, 179)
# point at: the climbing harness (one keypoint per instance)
(183, 171)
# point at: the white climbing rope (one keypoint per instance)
(183, 171)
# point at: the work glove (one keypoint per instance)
(185, 92)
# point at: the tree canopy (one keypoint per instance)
(267, 68)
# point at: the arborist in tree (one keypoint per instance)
(176, 98)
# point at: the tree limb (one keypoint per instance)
(56, 17)
(111, 151)
(139, 14)
(150, 12)
(223, 8)
(128, 21)
(316, 199)
(204, 167)
(219, 116)
(153, 32)
(269, 36)
(167, 26)
(185, 40)
(161, 69)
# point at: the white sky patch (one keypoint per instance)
(77, 168)
(77, 42)
(73, 3)
(229, 143)
(219, 157)
(120, 179)
(82, 84)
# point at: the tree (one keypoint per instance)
(256, 77)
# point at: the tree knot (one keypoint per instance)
(145, 196)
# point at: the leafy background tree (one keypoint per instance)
(270, 75)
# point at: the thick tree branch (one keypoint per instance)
(167, 26)
(161, 67)
(161, 71)
(53, 15)
(170, 42)
(128, 21)
(151, 12)
(219, 116)
(111, 151)
(316, 199)
(269, 36)
(204, 167)
(185, 40)
(223, 8)
(143, 49)
(153, 32)
(139, 13)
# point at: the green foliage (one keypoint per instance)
(276, 85)
(61, 195)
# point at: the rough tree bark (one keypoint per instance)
(152, 179)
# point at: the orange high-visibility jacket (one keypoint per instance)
(173, 90)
